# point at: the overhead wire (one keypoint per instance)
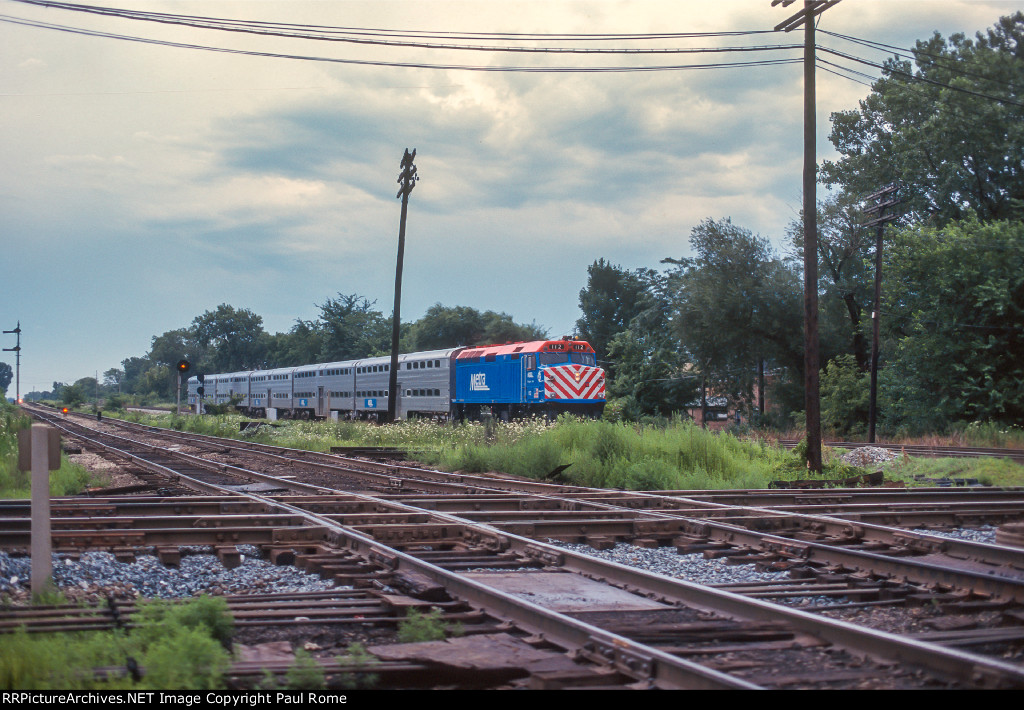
(948, 63)
(417, 65)
(222, 23)
(414, 39)
(916, 77)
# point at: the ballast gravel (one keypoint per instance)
(982, 533)
(100, 574)
(666, 561)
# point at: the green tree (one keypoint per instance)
(652, 376)
(612, 298)
(174, 345)
(231, 339)
(88, 387)
(449, 326)
(166, 351)
(6, 375)
(299, 346)
(500, 328)
(134, 369)
(955, 315)
(845, 277)
(113, 378)
(933, 130)
(735, 303)
(352, 329)
(845, 391)
(72, 395)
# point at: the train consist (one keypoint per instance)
(543, 377)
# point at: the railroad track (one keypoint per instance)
(481, 541)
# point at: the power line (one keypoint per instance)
(825, 64)
(922, 79)
(952, 64)
(230, 25)
(414, 65)
(1009, 328)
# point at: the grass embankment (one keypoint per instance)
(70, 479)
(673, 455)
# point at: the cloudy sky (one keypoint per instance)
(143, 184)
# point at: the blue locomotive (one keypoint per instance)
(542, 377)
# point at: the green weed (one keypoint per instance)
(305, 673)
(357, 655)
(418, 627)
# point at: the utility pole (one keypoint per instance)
(876, 314)
(407, 179)
(17, 362)
(812, 395)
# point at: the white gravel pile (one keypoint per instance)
(867, 456)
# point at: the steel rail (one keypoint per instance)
(936, 658)
(994, 584)
(600, 646)
(967, 667)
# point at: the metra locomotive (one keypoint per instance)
(543, 377)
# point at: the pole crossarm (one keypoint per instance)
(407, 179)
(816, 7)
(17, 360)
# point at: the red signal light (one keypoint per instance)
(64, 411)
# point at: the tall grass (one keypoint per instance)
(69, 479)
(673, 454)
(665, 455)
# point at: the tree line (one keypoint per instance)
(946, 128)
(229, 339)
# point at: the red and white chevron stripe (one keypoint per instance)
(574, 382)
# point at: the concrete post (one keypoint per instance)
(42, 563)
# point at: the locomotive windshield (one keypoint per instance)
(559, 358)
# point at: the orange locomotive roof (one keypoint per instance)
(535, 346)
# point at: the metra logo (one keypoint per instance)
(478, 382)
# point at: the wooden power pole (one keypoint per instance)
(812, 396)
(876, 314)
(407, 179)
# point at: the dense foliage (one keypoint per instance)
(955, 320)
(949, 129)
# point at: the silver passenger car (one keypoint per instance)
(371, 386)
(271, 389)
(425, 380)
(336, 387)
